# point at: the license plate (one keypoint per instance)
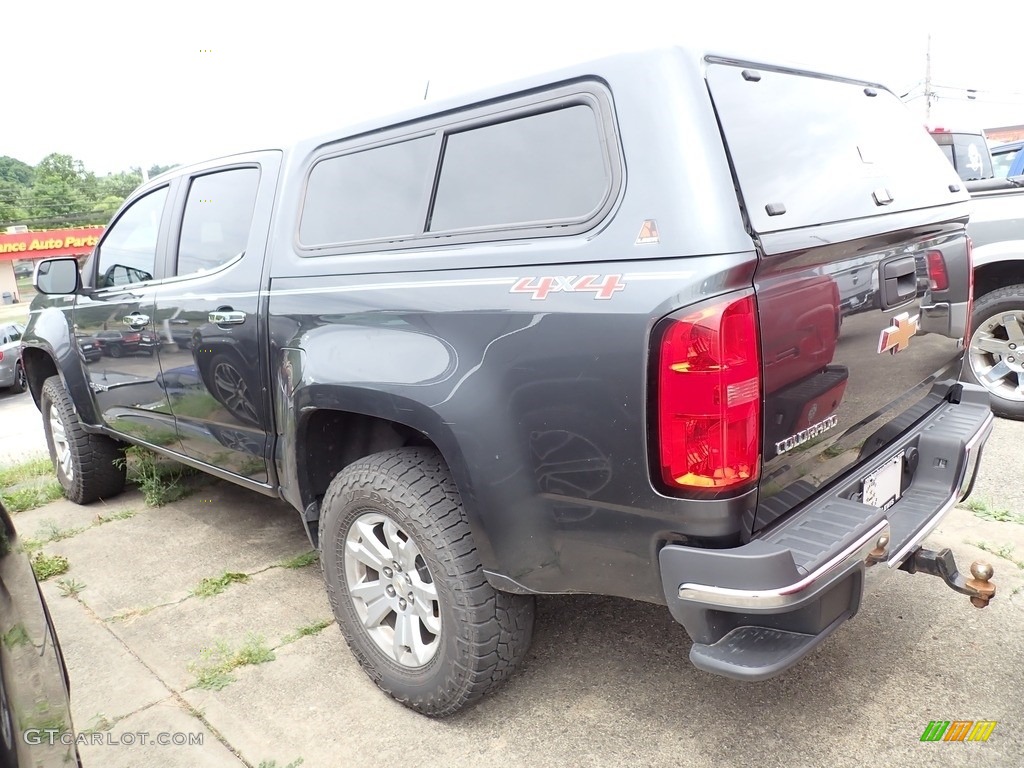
(87, 346)
(882, 487)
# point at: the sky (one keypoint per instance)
(119, 84)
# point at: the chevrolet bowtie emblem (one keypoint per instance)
(896, 337)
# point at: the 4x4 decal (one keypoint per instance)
(602, 286)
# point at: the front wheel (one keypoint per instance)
(995, 355)
(89, 467)
(407, 587)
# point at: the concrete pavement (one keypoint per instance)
(607, 681)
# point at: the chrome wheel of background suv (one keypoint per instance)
(995, 356)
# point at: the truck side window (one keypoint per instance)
(369, 194)
(218, 215)
(128, 251)
(545, 167)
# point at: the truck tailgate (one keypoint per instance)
(859, 223)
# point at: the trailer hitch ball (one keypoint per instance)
(981, 573)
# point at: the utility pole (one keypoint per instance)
(929, 94)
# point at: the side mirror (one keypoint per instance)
(57, 276)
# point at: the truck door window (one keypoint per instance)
(127, 253)
(546, 167)
(218, 214)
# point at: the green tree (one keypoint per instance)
(61, 187)
(15, 171)
(156, 170)
(119, 184)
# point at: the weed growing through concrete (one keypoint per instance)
(29, 497)
(124, 514)
(70, 587)
(161, 482)
(214, 586)
(47, 566)
(981, 508)
(301, 561)
(307, 630)
(50, 531)
(1004, 551)
(214, 669)
(273, 763)
(99, 724)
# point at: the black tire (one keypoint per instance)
(116, 350)
(20, 380)
(484, 634)
(97, 467)
(990, 310)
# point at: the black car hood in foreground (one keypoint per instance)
(33, 680)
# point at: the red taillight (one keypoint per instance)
(130, 337)
(1, 355)
(938, 277)
(709, 397)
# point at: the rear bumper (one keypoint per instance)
(756, 610)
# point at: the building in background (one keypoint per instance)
(1006, 133)
(18, 244)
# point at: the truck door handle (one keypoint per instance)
(899, 281)
(227, 317)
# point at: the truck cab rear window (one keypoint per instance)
(539, 169)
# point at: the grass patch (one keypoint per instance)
(70, 587)
(1005, 551)
(26, 470)
(161, 482)
(273, 763)
(307, 630)
(29, 497)
(982, 509)
(216, 665)
(301, 561)
(214, 586)
(47, 566)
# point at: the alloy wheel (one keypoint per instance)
(61, 444)
(392, 590)
(996, 354)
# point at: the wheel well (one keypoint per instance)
(335, 439)
(1001, 273)
(39, 366)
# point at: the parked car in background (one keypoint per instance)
(34, 687)
(121, 343)
(1007, 159)
(91, 348)
(994, 357)
(968, 151)
(12, 371)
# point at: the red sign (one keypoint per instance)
(50, 242)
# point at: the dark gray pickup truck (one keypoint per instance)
(645, 327)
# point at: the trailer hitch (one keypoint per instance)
(942, 564)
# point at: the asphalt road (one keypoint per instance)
(607, 681)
